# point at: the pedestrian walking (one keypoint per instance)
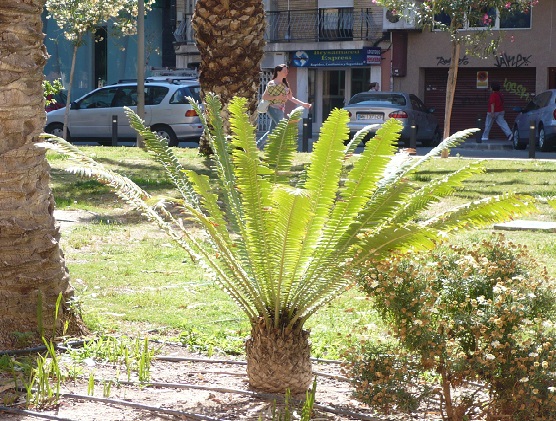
(374, 86)
(496, 112)
(278, 92)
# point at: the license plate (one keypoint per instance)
(369, 116)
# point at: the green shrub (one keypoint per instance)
(474, 322)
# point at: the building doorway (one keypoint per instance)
(333, 91)
(360, 78)
(552, 78)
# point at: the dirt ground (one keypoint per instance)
(186, 386)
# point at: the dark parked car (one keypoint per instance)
(373, 107)
(542, 111)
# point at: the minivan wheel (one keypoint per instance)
(166, 133)
(57, 129)
(543, 144)
(517, 141)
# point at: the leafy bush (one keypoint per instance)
(475, 323)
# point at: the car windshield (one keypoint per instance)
(371, 98)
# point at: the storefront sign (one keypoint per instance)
(367, 56)
(482, 79)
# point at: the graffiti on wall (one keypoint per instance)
(443, 61)
(517, 60)
(516, 89)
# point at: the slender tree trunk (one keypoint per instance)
(32, 267)
(68, 100)
(230, 38)
(451, 89)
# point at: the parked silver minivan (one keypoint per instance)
(167, 112)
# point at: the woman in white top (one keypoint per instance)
(278, 92)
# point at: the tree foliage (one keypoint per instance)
(471, 325)
(80, 17)
(454, 17)
(77, 18)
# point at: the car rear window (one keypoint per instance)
(180, 96)
(155, 94)
(369, 98)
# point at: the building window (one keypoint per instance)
(336, 24)
(490, 17)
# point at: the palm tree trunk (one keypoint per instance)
(279, 359)
(230, 38)
(32, 267)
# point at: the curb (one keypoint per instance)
(488, 145)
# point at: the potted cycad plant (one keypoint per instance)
(284, 244)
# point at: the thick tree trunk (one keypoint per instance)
(230, 38)
(279, 359)
(32, 267)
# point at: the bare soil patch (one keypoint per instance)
(186, 386)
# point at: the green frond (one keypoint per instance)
(360, 183)
(358, 138)
(290, 215)
(448, 143)
(362, 180)
(243, 132)
(324, 171)
(223, 165)
(282, 147)
(433, 192)
(483, 212)
(379, 243)
(209, 200)
(161, 153)
(126, 189)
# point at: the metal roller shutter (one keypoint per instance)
(470, 102)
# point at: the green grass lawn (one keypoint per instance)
(130, 278)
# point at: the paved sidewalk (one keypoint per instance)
(522, 225)
(491, 144)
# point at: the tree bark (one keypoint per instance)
(32, 266)
(230, 38)
(279, 359)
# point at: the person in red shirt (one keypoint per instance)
(496, 112)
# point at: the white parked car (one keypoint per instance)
(167, 112)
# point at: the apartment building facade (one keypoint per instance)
(336, 47)
(524, 64)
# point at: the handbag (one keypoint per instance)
(263, 106)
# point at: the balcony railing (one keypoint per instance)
(338, 24)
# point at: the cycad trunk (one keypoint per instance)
(279, 359)
(32, 268)
(230, 38)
